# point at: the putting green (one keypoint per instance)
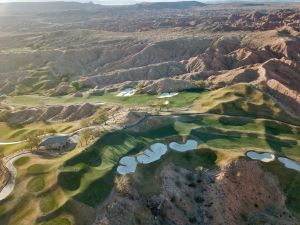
(36, 184)
(22, 161)
(47, 203)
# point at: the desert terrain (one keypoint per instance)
(155, 113)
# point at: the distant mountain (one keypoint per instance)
(42, 7)
(170, 5)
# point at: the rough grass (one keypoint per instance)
(58, 221)
(2, 210)
(36, 184)
(242, 100)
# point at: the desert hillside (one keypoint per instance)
(161, 113)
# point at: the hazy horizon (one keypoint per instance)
(130, 2)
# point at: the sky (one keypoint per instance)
(128, 2)
(105, 2)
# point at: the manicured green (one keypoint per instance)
(47, 203)
(36, 184)
(22, 161)
(181, 100)
(37, 169)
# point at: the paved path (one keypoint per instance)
(11, 143)
(9, 164)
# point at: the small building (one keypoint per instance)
(57, 142)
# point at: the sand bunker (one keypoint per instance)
(127, 165)
(264, 157)
(167, 95)
(9, 187)
(188, 146)
(153, 154)
(290, 164)
(126, 92)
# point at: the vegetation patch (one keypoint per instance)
(22, 161)
(289, 181)
(37, 169)
(71, 180)
(98, 190)
(58, 221)
(2, 210)
(48, 203)
(36, 184)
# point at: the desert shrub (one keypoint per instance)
(192, 185)
(178, 184)
(78, 85)
(198, 199)
(190, 177)
(201, 84)
(192, 220)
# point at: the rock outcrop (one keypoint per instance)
(52, 113)
(235, 194)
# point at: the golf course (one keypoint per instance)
(51, 190)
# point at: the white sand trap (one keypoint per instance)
(127, 92)
(153, 154)
(127, 165)
(290, 164)
(188, 146)
(167, 95)
(9, 187)
(264, 157)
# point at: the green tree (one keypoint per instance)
(51, 131)
(84, 122)
(87, 135)
(201, 84)
(100, 118)
(33, 142)
(76, 85)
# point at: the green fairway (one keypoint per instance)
(96, 167)
(87, 176)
